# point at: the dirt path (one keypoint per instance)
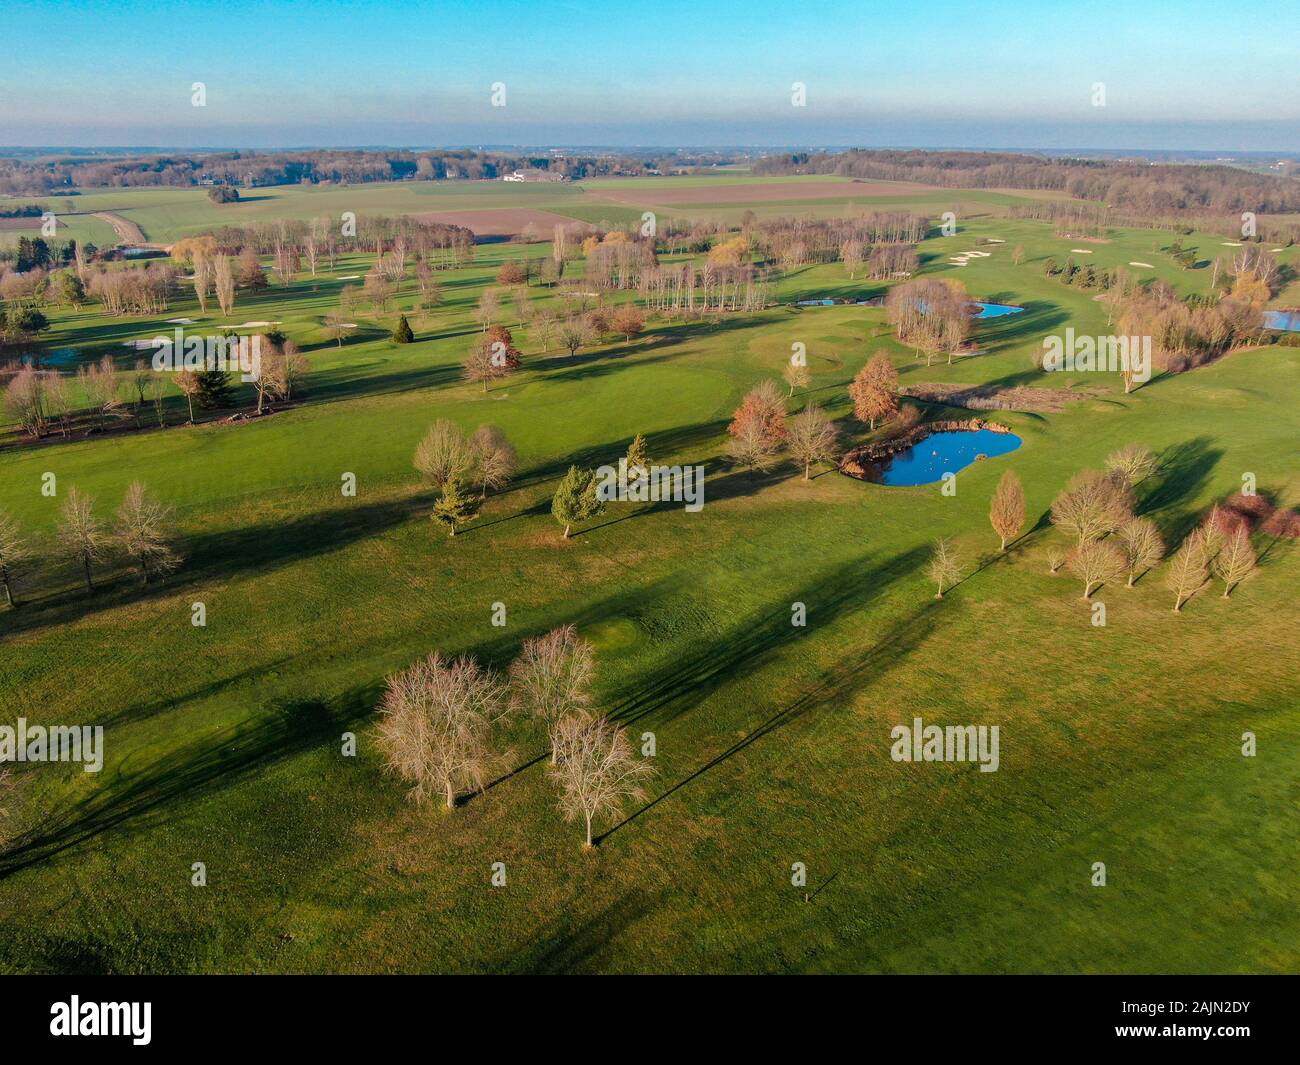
(127, 231)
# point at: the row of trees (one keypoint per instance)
(142, 534)
(441, 722)
(1111, 542)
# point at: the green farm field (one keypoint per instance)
(1119, 744)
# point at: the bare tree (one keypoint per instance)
(489, 304)
(223, 277)
(552, 676)
(595, 769)
(494, 460)
(1091, 506)
(81, 534)
(144, 532)
(188, 382)
(796, 375)
(1096, 562)
(945, 566)
(812, 437)
(1132, 463)
(484, 362)
(1142, 545)
(1234, 563)
(1187, 571)
(574, 333)
(1007, 509)
(15, 554)
(436, 725)
(444, 454)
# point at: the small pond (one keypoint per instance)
(995, 310)
(928, 460)
(1285, 320)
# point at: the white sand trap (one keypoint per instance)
(252, 325)
(181, 321)
(996, 240)
(347, 325)
(1277, 249)
(139, 345)
(350, 277)
(979, 254)
(1231, 244)
(1147, 265)
(1081, 251)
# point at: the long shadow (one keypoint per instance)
(1184, 471)
(835, 688)
(145, 798)
(755, 639)
(224, 553)
(569, 945)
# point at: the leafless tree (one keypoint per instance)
(494, 460)
(1096, 562)
(444, 454)
(188, 382)
(223, 277)
(1007, 510)
(812, 437)
(81, 534)
(436, 724)
(15, 554)
(1187, 570)
(1091, 506)
(484, 362)
(796, 375)
(1142, 544)
(595, 769)
(489, 305)
(1133, 463)
(145, 534)
(552, 676)
(1234, 563)
(945, 566)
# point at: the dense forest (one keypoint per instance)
(1139, 187)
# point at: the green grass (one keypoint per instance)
(1119, 744)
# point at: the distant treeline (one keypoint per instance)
(33, 177)
(1139, 187)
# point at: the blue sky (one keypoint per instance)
(1183, 74)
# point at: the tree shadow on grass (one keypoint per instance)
(834, 689)
(146, 798)
(573, 944)
(1184, 471)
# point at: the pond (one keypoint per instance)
(1288, 321)
(928, 460)
(995, 310)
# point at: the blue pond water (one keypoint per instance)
(995, 310)
(948, 452)
(1288, 320)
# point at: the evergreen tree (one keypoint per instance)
(215, 391)
(454, 507)
(402, 334)
(575, 499)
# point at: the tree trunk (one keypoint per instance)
(190, 400)
(589, 832)
(451, 797)
(86, 562)
(806, 467)
(9, 595)
(566, 531)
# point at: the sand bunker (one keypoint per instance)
(1081, 251)
(1147, 265)
(181, 321)
(350, 277)
(1231, 244)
